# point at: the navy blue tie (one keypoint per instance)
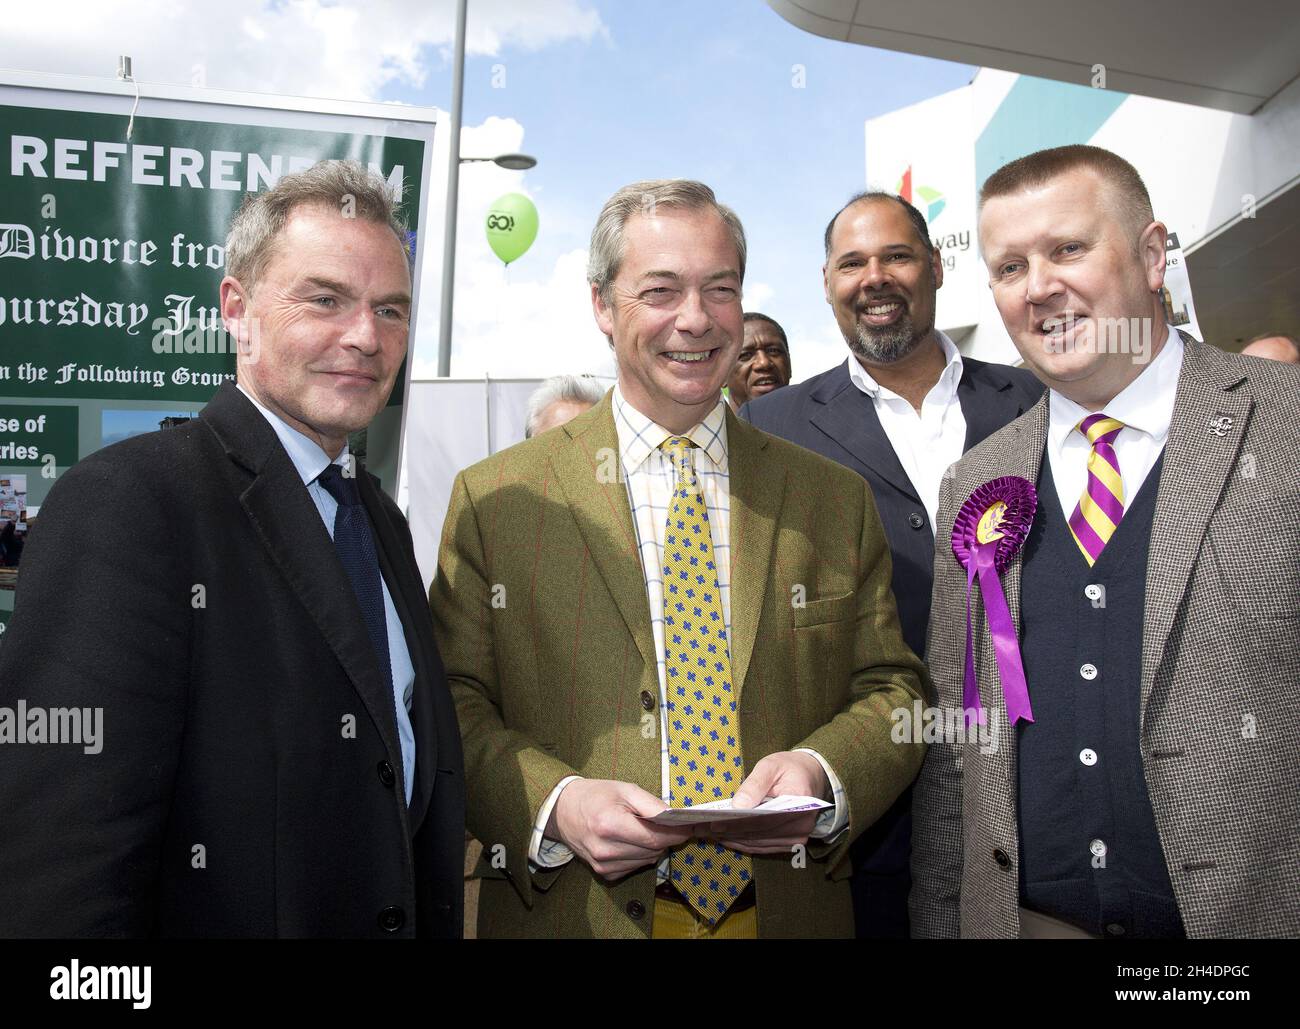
(355, 544)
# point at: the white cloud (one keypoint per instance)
(531, 320)
(758, 295)
(344, 50)
(813, 349)
(528, 320)
(521, 329)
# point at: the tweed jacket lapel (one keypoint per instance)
(590, 473)
(1205, 436)
(757, 491)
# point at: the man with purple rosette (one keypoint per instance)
(1117, 596)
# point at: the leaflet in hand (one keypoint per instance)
(722, 811)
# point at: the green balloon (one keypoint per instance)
(511, 226)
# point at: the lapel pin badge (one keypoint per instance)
(1220, 424)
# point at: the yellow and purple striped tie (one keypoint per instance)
(1102, 505)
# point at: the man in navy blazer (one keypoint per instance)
(903, 408)
(275, 752)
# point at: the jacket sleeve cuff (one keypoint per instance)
(544, 853)
(832, 820)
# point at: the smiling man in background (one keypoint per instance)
(658, 605)
(763, 364)
(903, 407)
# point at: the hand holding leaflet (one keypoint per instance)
(723, 811)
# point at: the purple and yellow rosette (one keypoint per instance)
(990, 528)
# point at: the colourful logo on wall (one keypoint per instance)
(931, 200)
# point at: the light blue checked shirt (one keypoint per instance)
(651, 480)
(310, 460)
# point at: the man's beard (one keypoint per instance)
(889, 343)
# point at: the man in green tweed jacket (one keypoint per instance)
(557, 612)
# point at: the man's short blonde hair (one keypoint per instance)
(607, 245)
(1038, 168)
(344, 186)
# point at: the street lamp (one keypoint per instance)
(515, 162)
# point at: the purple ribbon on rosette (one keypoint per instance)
(990, 528)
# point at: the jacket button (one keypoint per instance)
(916, 520)
(635, 910)
(1000, 856)
(391, 919)
(387, 776)
(647, 701)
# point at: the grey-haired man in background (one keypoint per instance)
(560, 399)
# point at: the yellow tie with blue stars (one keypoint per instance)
(704, 756)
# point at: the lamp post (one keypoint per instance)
(515, 162)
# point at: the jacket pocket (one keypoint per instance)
(823, 612)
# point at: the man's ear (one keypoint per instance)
(234, 307)
(604, 313)
(1151, 251)
(826, 281)
(936, 265)
(238, 319)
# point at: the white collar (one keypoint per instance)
(640, 436)
(947, 382)
(1145, 405)
(305, 453)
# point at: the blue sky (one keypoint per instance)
(696, 90)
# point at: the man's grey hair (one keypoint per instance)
(347, 187)
(607, 246)
(577, 389)
(1295, 343)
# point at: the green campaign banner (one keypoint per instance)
(38, 436)
(112, 248)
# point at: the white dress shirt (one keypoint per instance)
(1145, 406)
(928, 442)
(651, 480)
(310, 460)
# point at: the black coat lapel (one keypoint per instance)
(988, 401)
(849, 419)
(282, 512)
(417, 628)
